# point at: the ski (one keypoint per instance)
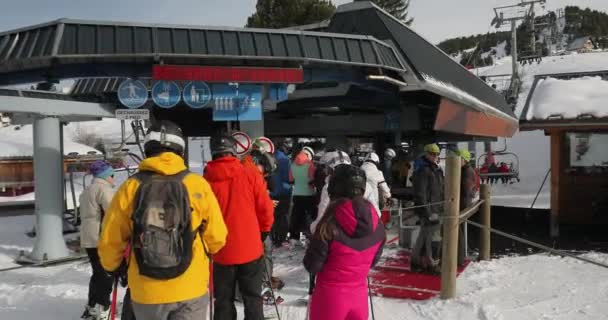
(45, 263)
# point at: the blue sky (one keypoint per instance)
(434, 19)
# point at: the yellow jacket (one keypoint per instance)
(118, 228)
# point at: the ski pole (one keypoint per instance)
(114, 298)
(371, 301)
(210, 288)
(274, 298)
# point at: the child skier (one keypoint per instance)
(346, 245)
(94, 202)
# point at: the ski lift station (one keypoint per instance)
(571, 109)
(377, 79)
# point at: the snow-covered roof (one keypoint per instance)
(564, 99)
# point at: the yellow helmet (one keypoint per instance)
(465, 154)
(432, 148)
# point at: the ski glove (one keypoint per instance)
(264, 236)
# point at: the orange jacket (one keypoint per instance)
(246, 207)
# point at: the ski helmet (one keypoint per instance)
(223, 144)
(265, 159)
(334, 158)
(164, 135)
(373, 157)
(345, 180)
(309, 152)
(390, 154)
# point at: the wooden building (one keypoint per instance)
(573, 110)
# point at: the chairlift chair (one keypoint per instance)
(510, 158)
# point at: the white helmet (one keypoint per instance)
(390, 154)
(334, 158)
(310, 153)
(373, 157)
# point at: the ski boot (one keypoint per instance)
(277, 283)
(97, 312)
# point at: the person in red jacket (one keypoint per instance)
(248, 214)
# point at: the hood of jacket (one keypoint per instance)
(301, 159)
(356, 217)
(167, 164)
(222, 169)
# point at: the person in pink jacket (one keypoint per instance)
(347, 243)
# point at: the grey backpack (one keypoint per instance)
(162, 231)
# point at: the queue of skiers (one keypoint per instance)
(171, 234)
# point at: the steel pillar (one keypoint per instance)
(48, 173)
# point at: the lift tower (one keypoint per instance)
(505, 15)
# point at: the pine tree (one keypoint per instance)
(397, 8)
(288, 13)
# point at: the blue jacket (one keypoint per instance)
(280, 179)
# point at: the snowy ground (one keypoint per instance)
(533, 287)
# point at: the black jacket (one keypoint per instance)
(428, 188)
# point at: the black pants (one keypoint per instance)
(302, 216)
(280, 228)
(100, 285)
(249, 278)
(127, 307)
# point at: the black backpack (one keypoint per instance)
(162, 231)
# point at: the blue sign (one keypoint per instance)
(197, 94)
(132, 93)
(166, 94)
(237, 102)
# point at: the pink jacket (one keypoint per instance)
(345, 262)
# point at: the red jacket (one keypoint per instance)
(246, 206)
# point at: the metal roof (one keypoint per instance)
(420, 56)
(76, 41)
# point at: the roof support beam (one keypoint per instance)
(55, 107)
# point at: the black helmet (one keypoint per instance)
(221, 144)
(264, 159)
(164, 135)
(345, 180)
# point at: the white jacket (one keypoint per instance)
(324, 203)
(376, 183)
(94, 201)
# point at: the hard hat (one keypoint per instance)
(432, 148)
(465, 154)
(373, 157)
(390, 153)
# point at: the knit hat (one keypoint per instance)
(101, 169)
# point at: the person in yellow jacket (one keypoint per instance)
(184, 296)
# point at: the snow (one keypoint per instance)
(17, 141)
(569, 98)
(517, 287)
